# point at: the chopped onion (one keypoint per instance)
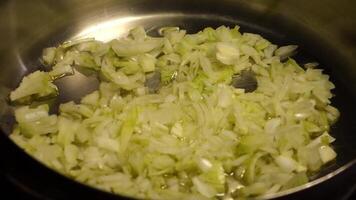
(215, 114)
(327, 154)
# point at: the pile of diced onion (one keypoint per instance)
(167, 123)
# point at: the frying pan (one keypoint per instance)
(325, 31)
